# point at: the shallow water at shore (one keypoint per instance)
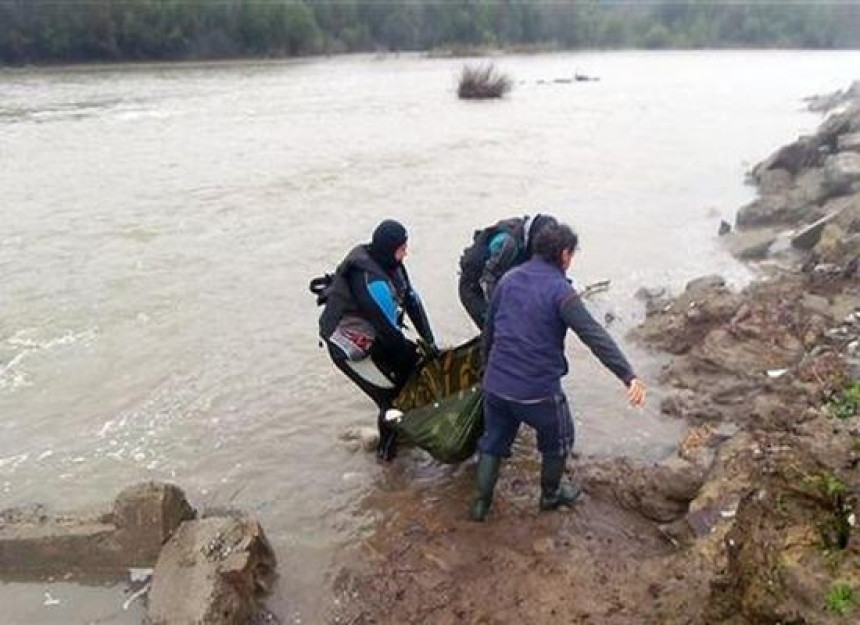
(162, 222)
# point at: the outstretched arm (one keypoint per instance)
(590, 332)
(578, 319)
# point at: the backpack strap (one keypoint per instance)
(319, 286)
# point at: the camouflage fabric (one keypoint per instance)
(455, 370)
(443, 405)
(447, 429)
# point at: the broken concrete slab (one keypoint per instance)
(146, 515)
(215, 571)
(35, 544)
(212, 571)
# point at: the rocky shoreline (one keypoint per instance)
(754, 520)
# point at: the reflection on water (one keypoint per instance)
(161, 224)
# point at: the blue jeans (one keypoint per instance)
(550, 418)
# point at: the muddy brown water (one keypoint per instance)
(160, 224)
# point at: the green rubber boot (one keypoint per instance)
(553, 492)
(488, 473)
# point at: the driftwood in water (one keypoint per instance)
(594, 288)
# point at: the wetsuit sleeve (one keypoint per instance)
(414, 308)
(595, 337)
(504, 253)
(418, 315)
(377, 305)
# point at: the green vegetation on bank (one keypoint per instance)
(846, 403)
(841, 599)
(40, 31)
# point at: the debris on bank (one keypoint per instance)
(212, 569)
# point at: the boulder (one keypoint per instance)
(146, 515)
(656, 299)
(848, 212)
(841, 171)
(773, 181)
(836, 125)
(361, 437)
(660, 492)
(725, 228)
(792, 158)
(809, 236)
(762, 211)
(213, 571)
(849, 142)
(751, 244)
(809, 188)
(703, 284)
(830, 246)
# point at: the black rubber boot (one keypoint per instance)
(553, 492)
(386, 449)
(488, 473)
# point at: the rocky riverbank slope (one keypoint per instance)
(753, 521)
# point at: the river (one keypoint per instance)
(161, 222)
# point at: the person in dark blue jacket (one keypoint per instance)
(528, 319)
(362, 323)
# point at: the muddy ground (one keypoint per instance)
(754, 519)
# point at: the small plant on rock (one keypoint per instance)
(841, 599)
(846, 404)
(482, 82)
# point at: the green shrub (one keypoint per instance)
(481, 82)
(841, 598)
(846, 404)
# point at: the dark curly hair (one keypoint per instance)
(553, 240)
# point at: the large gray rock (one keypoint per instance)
(704, 284)
(751, 244)
(766, 210)
(809, 236)
(773, 181)
(830, 247)
(850, 142)
(841, 171)
(214, 571)
(810, 187)
(792, 158)
(847, 209)
(656, 299)
(798, 203)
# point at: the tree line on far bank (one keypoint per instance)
(48, 31)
